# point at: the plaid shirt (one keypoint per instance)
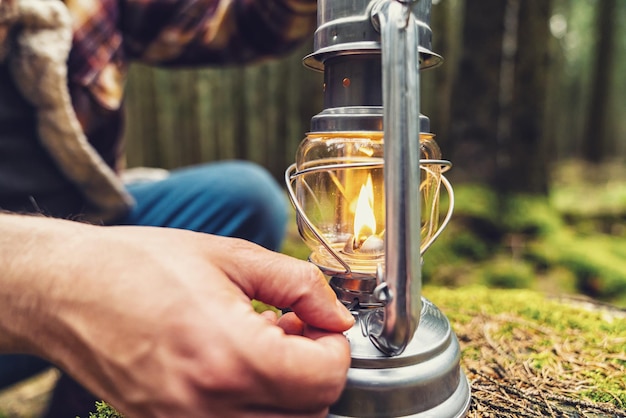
(109, 34)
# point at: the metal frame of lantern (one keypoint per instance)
(292, 174)
(405, 356)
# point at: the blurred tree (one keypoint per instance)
(259, 113)
(573, 92)
(522, 153)
(596, 142)
(499, 95)
(475, 92)
(436, 84)
(555, 117)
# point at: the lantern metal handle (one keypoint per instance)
(397, 22)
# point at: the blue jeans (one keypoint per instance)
(232, 198)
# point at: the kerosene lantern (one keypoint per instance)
(366, 187)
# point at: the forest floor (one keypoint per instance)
(530, 355)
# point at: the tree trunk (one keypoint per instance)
(474, 107)
(436, 83)
(557, 122)
(596, 143)
(522, 160)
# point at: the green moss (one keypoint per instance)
(465, 244)
(597, 261)
(475, 200)
(261, 307)
(462, 303)
(547, 250)
(558, 340)
(608, 198)
(529, 214)
(608, 391)
(103, 410)
(505, 272)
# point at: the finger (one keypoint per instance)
(316, 367)
(283, 281)
(319, 367)
(270, 316)
(291, 324)
(313, 333)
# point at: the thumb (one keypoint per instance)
(285, 282)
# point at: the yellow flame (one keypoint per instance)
(364, 218)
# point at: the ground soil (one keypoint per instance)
(506, 384)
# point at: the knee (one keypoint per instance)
(252, 189)
(253, 204)
(231, 198)
(260, 204)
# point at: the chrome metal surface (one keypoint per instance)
(356, 292)
(347, 47)
(424, 381)
(398, 32)
(354, 119)
(345, 29)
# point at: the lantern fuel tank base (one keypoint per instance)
(426, 380)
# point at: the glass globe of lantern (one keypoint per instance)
(340, 201)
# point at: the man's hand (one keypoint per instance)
(159, 323)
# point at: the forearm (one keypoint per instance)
(31, 264)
